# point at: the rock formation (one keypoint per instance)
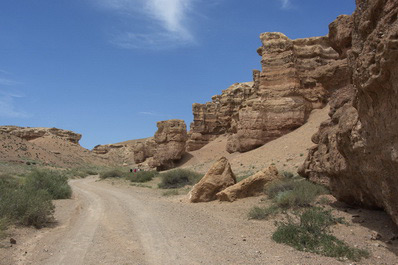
(251, 186)
(31, 133)
(170, 139)
(219, 177)
(357, 149)
(297, 76)
(144, 150)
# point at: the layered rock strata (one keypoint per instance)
(31, 133)
(170, 139)
(297, 76)
(357, 148)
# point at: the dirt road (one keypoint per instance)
(119, 224)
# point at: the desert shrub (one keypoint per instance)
(170, 193)
(290, 193)
(55, 183)
(287, 174)
(260, 213)
(3, 226)
(311, 234)
(26, 205)
(142, 176)
(113, 173)
(178, 178)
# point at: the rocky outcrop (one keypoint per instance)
(297, 76)
(250, 186)
(219, 177)
(144, 150)
(357, 149)
(105, 149)
(32, 133)
(170, 139)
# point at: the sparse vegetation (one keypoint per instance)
(28, 200)
(142, 176)
(293, 193)
(53, 182)
(260, 213)
(311, 234)
(178, 178)
(170, 193)
(113, 173)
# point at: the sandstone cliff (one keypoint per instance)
(357, 148)
(170, 139)
(297, 76)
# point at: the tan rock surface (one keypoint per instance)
(219, 177)
(297, 76)
(251, 186)
(170, 139)
(357, 147)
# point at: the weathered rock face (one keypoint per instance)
(170, 139)
(144, 150)
(104, 149)
(357, 149)
(31, 133)
(219, 177)
(249, 187)
(297, 76)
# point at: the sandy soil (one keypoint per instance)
(111, 222)
(287, 153)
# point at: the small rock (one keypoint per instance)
(375, 236)
(13, 241)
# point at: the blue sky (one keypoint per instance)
(109, 69)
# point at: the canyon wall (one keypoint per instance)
(357, 149)
(297, 76)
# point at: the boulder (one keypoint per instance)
(250, 186)
(219, 177)
(357, 148)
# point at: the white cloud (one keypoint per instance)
(166, 22)
(286, 4)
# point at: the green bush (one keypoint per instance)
(178, 178)
(142, 176)
(53, 182)
(294, 193)
(260, 213)
(312, 234)
(114, 173)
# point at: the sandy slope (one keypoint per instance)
(287, 152)
(120, 224)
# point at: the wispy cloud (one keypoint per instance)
(165, 22)
(8, 107)
(8, 97)
(286, 4)
(154, 114)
